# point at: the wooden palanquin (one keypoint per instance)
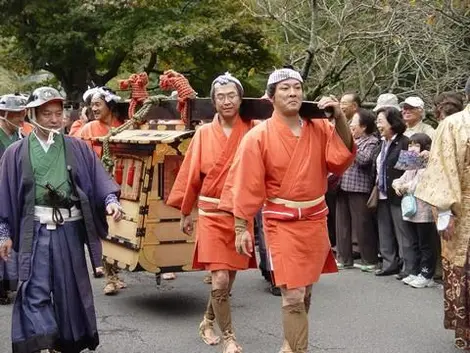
(146, 163)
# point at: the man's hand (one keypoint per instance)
(243, 243)
(5, 249)
(333, 104)
(448, 233)
(114, 210)
(83, 116)
(186, 224)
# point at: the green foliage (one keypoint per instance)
(90, 42)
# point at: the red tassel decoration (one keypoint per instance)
(118, 172)
(130, 174)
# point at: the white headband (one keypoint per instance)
(227, 78)
(106, 95)
(89, 92)
(282, 75)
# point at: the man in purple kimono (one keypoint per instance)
(12, 113)
(54, 196)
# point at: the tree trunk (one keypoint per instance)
(75, 83)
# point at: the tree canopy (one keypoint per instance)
(90, 42)
(372, 47)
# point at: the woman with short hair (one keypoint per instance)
(354, 219)
(394, 236)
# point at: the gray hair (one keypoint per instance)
(224, 80)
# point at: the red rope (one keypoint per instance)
(172, 80)
(138, 84)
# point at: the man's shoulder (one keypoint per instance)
(15, 147)
(456, 119)
(258, 130)
(427, 127)
(76, 143)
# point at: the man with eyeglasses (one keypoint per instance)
(55, 195)
(199, 184)
(412, 109)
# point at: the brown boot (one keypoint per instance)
(206, 327)
(295, 322)
(221, 306)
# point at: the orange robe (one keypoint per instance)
(94, 129)
(200, 180)
(271, 164)
(76, 128)
(27, 128)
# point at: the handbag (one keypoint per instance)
(373, 198)
(408, 206)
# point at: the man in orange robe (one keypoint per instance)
(85, 113)
(103, 103)
(104, 108)
(283, 164)
(200, 182)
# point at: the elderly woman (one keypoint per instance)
(395, 238)
(354, 219)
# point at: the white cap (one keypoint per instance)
(387, 100)
(414, 102)
(282, 75)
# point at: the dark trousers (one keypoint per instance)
(397, 241)
(54, 308)
(426, 233)
(264, 263)
(330, 198)
(354, 220)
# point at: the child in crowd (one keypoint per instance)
(419, 219)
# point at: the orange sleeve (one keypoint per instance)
(27, 128)
(338, 156)
(86, 133)
(244, 190)
(75, 129)
(187, 185)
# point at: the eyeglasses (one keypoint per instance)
(222, 97)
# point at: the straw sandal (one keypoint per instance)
(286, 348)
(230, 343)
(205, 325)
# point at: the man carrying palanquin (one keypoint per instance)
(200, 182)
(55, 195)
(283, 163)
